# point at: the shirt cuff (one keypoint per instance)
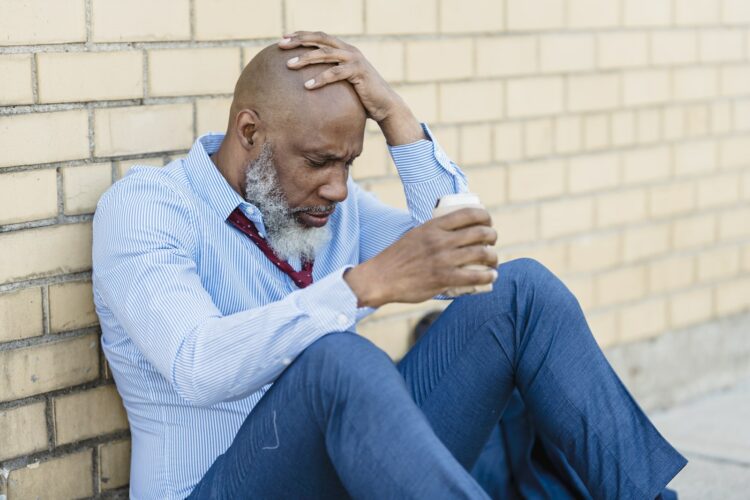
(334, 304)
(422, 160)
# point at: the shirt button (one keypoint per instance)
(287, 361)
(343, 320)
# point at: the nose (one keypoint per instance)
(335, 189)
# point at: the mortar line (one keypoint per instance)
(49, 415)
(45, 310)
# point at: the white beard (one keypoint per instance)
(288, 238)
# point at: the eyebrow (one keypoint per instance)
(331, 157)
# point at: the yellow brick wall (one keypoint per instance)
(609, 138)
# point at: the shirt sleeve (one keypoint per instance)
(146, 273)
(426, 174)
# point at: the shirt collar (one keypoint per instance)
(206, 179)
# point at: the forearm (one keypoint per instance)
(400, 126)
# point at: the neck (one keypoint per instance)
(230, 166)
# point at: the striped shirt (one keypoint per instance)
(197, 323)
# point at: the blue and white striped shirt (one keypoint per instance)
(197, 323)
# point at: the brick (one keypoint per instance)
(507, 141)
(673, 123)
(26, 196)
(88, 414)
(674, 47)
(422, 99)
(122, 167)
(316, 16)
(193, 71)
(696, 120)
(718, 263)
(568, 136)
(717, 191)
(622, 50)
(42, 21)
(552, 255)
(461, 16)
(373, 162)
(741, 111)
(720, 45)
(248, 53)
(476, 144)
(538, 138)
(623, 128)
(386, 57)
(426, 59)
(594, 252)
(527, 15)
(20, 316)
(212, 115)
(733, 152)
(114, 465)
(593, 172)
(642, 87)
(65, 477)
(387, 17)
(592, 14)
(516, 224)
(389, 191)
(671, 273)
(489, 184)
(24, 430)
(620, 285)
(696, 12)
(449, 140)
(746, 257)
(603, 325)
(693, 231)
(735, 80)
(536, 180)
(691, 307)
(648, 126)
(558, 53)
(734, 223)
(646, 165)
(621, 207)
(15, 87)
(671, 199)
(596, 132)
(694, 158)
(89, 76)
(33, 253)
(534, 96)
(643, 320)
(565, 217)
(471, 101)
(507, 56)
(643, 242)
(83, 186)
(143, 129)
(733, 297)
(116, 21)
(228, 19)
(48, 367)
(593, 92)
(695, 83)
(71, 306)
(721, 117)
(647, 12)
(735, 12)
(746, 186)
(582, 288)
(43, 137)
(389, 334)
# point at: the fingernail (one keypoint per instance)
(285, 40)
(309, 83)
(293, 60)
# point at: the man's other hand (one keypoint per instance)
(428, 260)
(381, 102)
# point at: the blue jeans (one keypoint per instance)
(342, 420)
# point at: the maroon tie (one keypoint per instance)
(301, 278)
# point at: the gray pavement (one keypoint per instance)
(713, 432)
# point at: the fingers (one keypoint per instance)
(321, 55)
(463, 218)
(476, 254)
(332, 74)
(310, 39)
(474, 235)
(469, 277)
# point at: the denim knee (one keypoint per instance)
(532, 280)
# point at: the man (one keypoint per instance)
(229, 283)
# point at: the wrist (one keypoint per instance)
(400, 126)
(363, 286)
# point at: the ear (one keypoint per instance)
(247, 128)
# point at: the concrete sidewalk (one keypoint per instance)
(713, 432)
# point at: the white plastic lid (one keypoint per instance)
(459, 199)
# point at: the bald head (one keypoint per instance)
(278, 95)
